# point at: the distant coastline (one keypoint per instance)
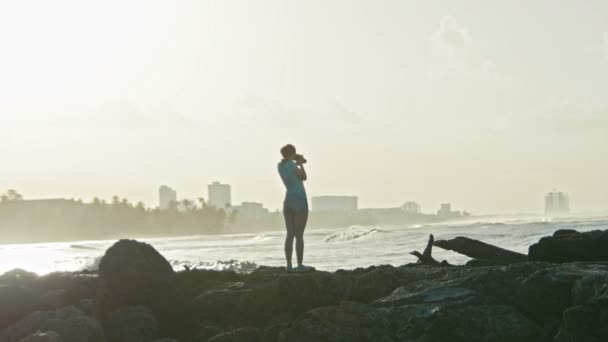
(54, 220)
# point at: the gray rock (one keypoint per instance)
(16, 302)
(587, 322)
(247, 334)
(70, 323)
(570, 245)
(347, 322)
(481, 323)
(49, 336)
(132, 323)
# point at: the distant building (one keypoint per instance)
(445, 209)
(557, 202)
(335, 203)
(166, 195)
(411, 207)
(250, 210)
(219, 195)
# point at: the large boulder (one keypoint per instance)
(69, 323)
(570, 245)
(131, 323)
(133, 273)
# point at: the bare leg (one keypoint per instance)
(300, 226)
(290, 227)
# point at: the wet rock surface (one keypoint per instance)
(138, 297)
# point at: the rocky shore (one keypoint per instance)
(558, 292)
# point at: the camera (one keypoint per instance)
(298, 158)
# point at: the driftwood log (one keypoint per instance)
(480, 250)
(426, 258)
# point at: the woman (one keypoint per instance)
(295, 207)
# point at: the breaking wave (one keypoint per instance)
(229, 265)
(352, 233)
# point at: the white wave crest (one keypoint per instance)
(352, 233)
(220, 265)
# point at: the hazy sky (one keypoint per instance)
(486, 104)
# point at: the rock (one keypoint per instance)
(587, 322)
(546, 293)
(49, 336)
(348, 322)
(375, 284)
(16, 302)
(133, 273)
(54, 299)
(486, 262)
(480, 250)
(166, 339)
(18, 277)
(481, 323)
(570, 245)
(298, 293)
(247, 334)
(70, 323)
(439, 294)
(132, 323)
(254, 304)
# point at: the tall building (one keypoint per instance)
(411, 207)
(445, 209)
(166, 195)
(219, 195)
(557, 202)
(335, 203)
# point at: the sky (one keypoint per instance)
(485, 104)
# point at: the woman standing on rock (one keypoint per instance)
(295, 207)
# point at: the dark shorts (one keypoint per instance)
(295, 221)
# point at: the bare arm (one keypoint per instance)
(301, 172)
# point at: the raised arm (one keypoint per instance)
(301, 172)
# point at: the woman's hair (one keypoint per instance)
(287, 151)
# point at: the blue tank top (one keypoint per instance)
(295, 195)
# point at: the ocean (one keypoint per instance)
(325, 249)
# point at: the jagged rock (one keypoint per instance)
(54, 299)
(299, 293)
(48, 336)
(480, 323)
(133, 273)
(348, 322)
(439, 294)
(587, 322)
(248, 305)
(166, 339)
(131, 323)
(545, 294)
(15, 302)
(375, 284)
(570, 245)
(70, 323)
(247, 334)
(480, 250)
